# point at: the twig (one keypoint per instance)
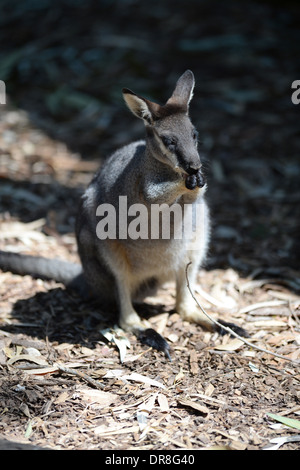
(229, 330)
(81, 375)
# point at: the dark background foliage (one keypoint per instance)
(65, 63)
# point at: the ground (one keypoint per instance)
(64, 385)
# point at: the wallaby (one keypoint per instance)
(162, 171)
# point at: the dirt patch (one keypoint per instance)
(210, 394)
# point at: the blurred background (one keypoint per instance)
(64, 64)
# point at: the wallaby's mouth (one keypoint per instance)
(192, 171)
(186, 171)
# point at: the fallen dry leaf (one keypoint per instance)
(232, 345)
(195, 405)
(163, 403)
(194, 362)
(99, 397)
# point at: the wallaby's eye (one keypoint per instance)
(169, 142)
(195, 135)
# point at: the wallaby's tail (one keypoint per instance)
(39, 267)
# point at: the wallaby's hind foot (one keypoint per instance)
(153, 339)
(235, 328)
(131, 321)
(188, 309)
(193, 314)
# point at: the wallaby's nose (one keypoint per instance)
(193, 169)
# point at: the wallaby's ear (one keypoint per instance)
(141, 107)
(183, 92)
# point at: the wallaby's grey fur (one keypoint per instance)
(147, 172)
(156, 170)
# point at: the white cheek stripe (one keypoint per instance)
(166, 153)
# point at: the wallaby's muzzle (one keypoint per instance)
(188, 158)
(192, 169)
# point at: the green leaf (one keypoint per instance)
(292, 423)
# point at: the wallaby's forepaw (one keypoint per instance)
(197, 179)
(235, 328)
(153, 339)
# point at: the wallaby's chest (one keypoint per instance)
(155, 258)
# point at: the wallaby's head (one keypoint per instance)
(171, 137)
